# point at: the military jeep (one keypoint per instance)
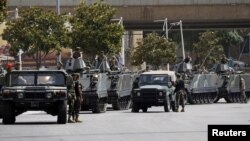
(34, 90)
(155, 89)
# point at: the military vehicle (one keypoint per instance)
(203, 88)
(94, 81)
(221, 82)
(228, 84)
(155, 89)
(119, 88)
(2, 77)
(34, 90)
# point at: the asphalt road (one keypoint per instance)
(155, 125)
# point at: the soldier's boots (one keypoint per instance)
(177, 110)
(182, 110)
(77, 120)
(70, 120)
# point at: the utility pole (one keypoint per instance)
(58, 7)
(20, 58)
(165, 26)
(122, 56)
(182, 41)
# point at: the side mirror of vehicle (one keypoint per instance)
(170, 84)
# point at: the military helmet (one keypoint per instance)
(75, 74)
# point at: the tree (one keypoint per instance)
(153, 50)
(37, 32)
(229, 39)
(3, 12)
(208, 49)
(93, 30)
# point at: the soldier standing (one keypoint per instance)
(78, 94)
(71, 99)
(179, 90)
(243, 97)
(77, 53)
(223, 59)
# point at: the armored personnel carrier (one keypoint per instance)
(155, 89)
(119, 88)
(34, 90)
(203, 88)
(219, 83)
(94, 81)
(229, 84)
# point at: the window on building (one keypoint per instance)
(245, 46)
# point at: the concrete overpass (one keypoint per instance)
(140, 14)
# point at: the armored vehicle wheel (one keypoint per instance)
(99, 106)
(191, 98)
(166, 106)
(116, 105)
(8, 113)
(135, 108)
(216, 99)
(62, 112)
(145, 109)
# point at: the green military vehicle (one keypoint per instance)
(34, 90)
(155, 89)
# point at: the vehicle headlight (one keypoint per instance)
(138, 94)
(20, 95)
(160, 93)
(49, 95)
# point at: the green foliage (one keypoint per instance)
(93, 30)
(154, 50)
(230, 38)
(208, 49)
(3, 12)
(36, 32)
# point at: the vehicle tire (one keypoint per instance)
(166, 106)
(145, 109)
(116, 105)
(8, 113)
(97, 107)
(135, 108)
(1, 109)
(62, 112)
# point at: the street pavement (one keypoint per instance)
(155, 125)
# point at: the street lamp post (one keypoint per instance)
(182, 40)
(165, 26)
(58, 7)
(120, 21)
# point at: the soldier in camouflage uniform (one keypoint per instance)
(71, 99)
(78, 93)
(180, 92)
(243, 97)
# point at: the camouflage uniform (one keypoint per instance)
(78, 100)
(223, 59)
(243, 97)
(180, 92)
(71, 99)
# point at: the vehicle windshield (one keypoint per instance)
(22, 79)
(53, 79)
(37, 79)
(154, 79)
